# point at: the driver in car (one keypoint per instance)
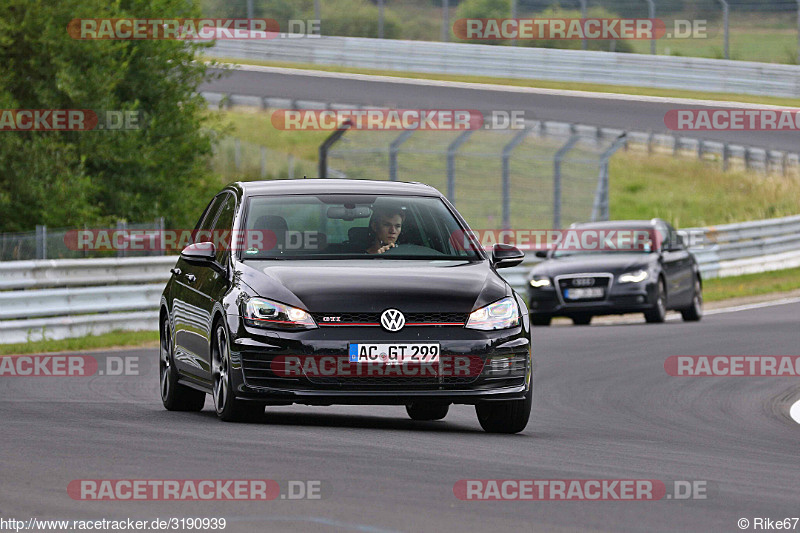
(385, 226)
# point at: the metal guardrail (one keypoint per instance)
(71, 297)
(668, 72)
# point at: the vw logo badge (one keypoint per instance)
(392, 320)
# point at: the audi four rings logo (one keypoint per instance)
(583, 282)
(392, 320)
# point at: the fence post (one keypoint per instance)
(583, 17)
(291, 166)
(263, 162)
(798, 32)
(451, 164)
(600, 209)
(322, 169)
(237, 154)
(394, 149)
(41, 241)
(121, 224)
(651, 13)
(514, 42)
(507, 149)
(317, 15)
(726, 153)
(725, 23)
(161, 235)
(380, 19)
(557, 175)
(446, 20)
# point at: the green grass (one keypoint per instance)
(542, 84)
(751, 285)
(106, 340)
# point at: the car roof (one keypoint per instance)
(335, 186)
(616, 224)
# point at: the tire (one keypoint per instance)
(226, 405)
(659, 311)
(427, 411)
(509, 416)
(582, 320)
(694, 312)
(541, 320)
(174, 396)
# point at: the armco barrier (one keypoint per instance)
(640, 70)
(72, 297)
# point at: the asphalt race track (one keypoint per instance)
(604, 408)
(613, 111)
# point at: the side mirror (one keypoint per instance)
(505, 255)
(541, 253)
(199, 251)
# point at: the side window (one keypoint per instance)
(224, 226)
(206, 222)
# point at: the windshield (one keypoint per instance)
(608, 240)
(329, 226)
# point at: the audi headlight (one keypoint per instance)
(264, 313)
(539, 281)
(501, 314)
(633, 277)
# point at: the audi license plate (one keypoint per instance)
(394, 354)
(580, 294)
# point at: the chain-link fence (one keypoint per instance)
(752, 30)
(542, 176)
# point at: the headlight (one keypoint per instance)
(633, 277)
(499, 315)
(268, 314)
(539, 281)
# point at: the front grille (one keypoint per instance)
(374, 319)
(582, 282)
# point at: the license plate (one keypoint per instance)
(578, 294)
(394, 354)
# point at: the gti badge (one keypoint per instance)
(392, 320)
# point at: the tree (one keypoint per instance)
(69, 178)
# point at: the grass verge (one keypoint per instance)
(517, 82)
(718, 289)
(112, 339)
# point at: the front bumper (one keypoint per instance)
(254, 352)
(621, 298)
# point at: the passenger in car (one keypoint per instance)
(385, 226)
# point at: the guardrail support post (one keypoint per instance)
(451, 164)
(121, 225)
(726, 154)
(322, 169)
(557, 175)
(507, 149)
(394, 149)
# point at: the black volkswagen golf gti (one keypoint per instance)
(325, 292)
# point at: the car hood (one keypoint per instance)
(616, 263)
(374, 285)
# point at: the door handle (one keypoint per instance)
(190, 278)
(176, 271)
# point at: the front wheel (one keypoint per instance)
(508, 416)
(227, 406)
(658, 313)
(427, 411)
(694, 312)
(174, 396)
